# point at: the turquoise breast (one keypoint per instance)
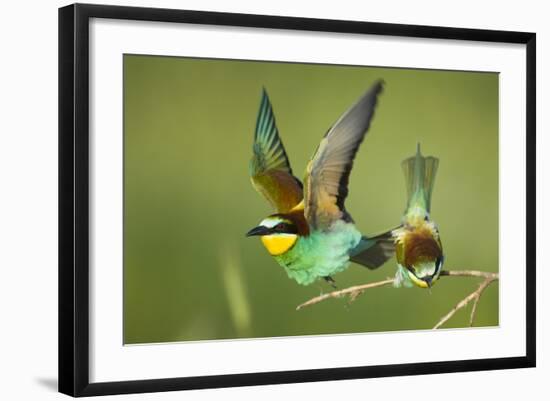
(320, 254)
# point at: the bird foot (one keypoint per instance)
(331, 281)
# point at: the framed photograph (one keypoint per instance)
(251, 199)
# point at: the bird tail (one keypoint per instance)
(373, 252)
(420, 174)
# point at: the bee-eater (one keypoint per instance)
(417, 242)
(312, 235)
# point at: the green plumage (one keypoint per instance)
(269, 152)
(420, 174)
(320, 254)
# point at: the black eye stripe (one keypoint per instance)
(279, 227)
(284, 228)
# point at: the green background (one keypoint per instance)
(189, 271)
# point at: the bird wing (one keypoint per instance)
(327, 174)
(270, 170)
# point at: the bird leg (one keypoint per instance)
(331, 281)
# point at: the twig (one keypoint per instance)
(352, 292)
(474, 310)
(476, 295)
(355, 291)
(469, 273)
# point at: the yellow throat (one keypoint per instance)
(277, 244)
(417, 281)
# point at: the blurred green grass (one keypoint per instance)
(189, 271)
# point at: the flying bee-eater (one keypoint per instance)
(312, 235)
(418, 246)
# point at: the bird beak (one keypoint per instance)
(260, 230)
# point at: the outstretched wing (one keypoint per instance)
(328, 171)
(270, 170)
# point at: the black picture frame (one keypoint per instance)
(74, 194)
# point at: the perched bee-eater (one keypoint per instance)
(417, 243)
(312, 235)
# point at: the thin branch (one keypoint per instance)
(355, 291)
(469, 273)
(476, 295)
(474, 310)
(352, 292)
